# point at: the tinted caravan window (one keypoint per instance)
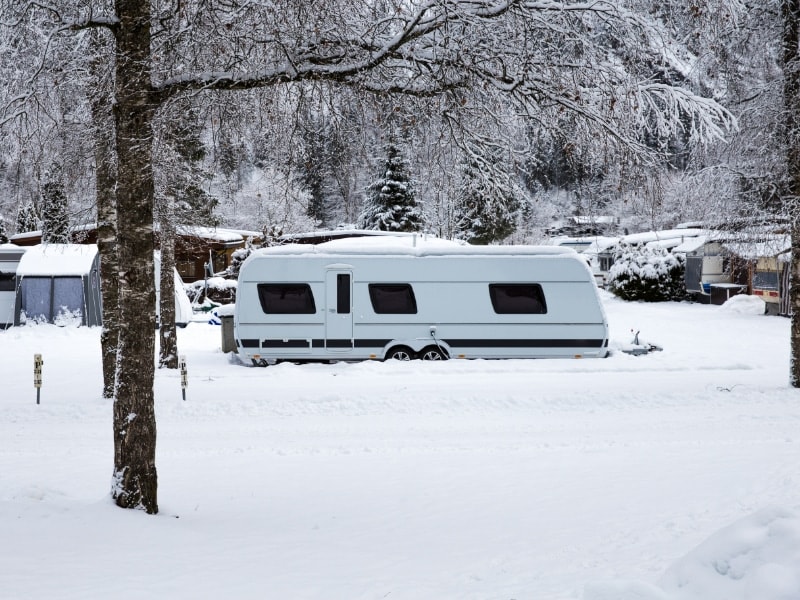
(286, 298)
(343, 293)
(517, 298)
(6, 282)
(392, 299)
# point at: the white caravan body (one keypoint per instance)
(10, 256)
(416, 298)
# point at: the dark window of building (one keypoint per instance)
(517, 298)
(392, 298)
(286, 298)
(343, 293)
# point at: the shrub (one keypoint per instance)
(648, 274)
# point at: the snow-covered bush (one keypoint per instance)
(651, 274)
(214, 290)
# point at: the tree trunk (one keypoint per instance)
(105, 189)
(135, 480)
(168, 334)
(791, 99)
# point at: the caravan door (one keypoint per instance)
(339, 310)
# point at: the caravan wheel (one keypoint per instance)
(400, 353)
(433, 353)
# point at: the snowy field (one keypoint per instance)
(671, 476)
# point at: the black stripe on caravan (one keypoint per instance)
(346, 343)
(339, 343)
(370, 343)
(466, 343)
(552, 343)
(285, 344)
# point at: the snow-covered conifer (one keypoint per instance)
(488, 198)
(28, 218)
(391, 203)
(55, 220)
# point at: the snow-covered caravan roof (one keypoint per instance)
(665, 236)
(777, 246)
(691, 245)
(408, 246)
(327, 235)
(11, 253)
(600, 244)
(57, 259)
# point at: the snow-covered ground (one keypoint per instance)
(671, 476)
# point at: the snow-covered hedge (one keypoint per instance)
(650, 274)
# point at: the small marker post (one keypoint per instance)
(37, 375)
(184, 375)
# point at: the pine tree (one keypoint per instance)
(313, 168)
(3, 231)
(391, 203)
(55, 221)
(487, 204)
(28, 218)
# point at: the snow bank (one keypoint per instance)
(744, 305)
(755, 558)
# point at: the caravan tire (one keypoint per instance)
(433, 353)
(400, 353)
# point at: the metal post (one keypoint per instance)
(184, 375)
(37, 374)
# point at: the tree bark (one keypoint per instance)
(135, 479)
(791, 98)
(105, 190)
(168, 334)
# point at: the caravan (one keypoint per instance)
(409, 297)
(10, 256)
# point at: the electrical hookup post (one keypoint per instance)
(184, 375)
(37, 375)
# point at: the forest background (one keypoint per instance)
(470, 165)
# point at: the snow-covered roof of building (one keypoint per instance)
(18, 237)
(57, 259)
(229, 236)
